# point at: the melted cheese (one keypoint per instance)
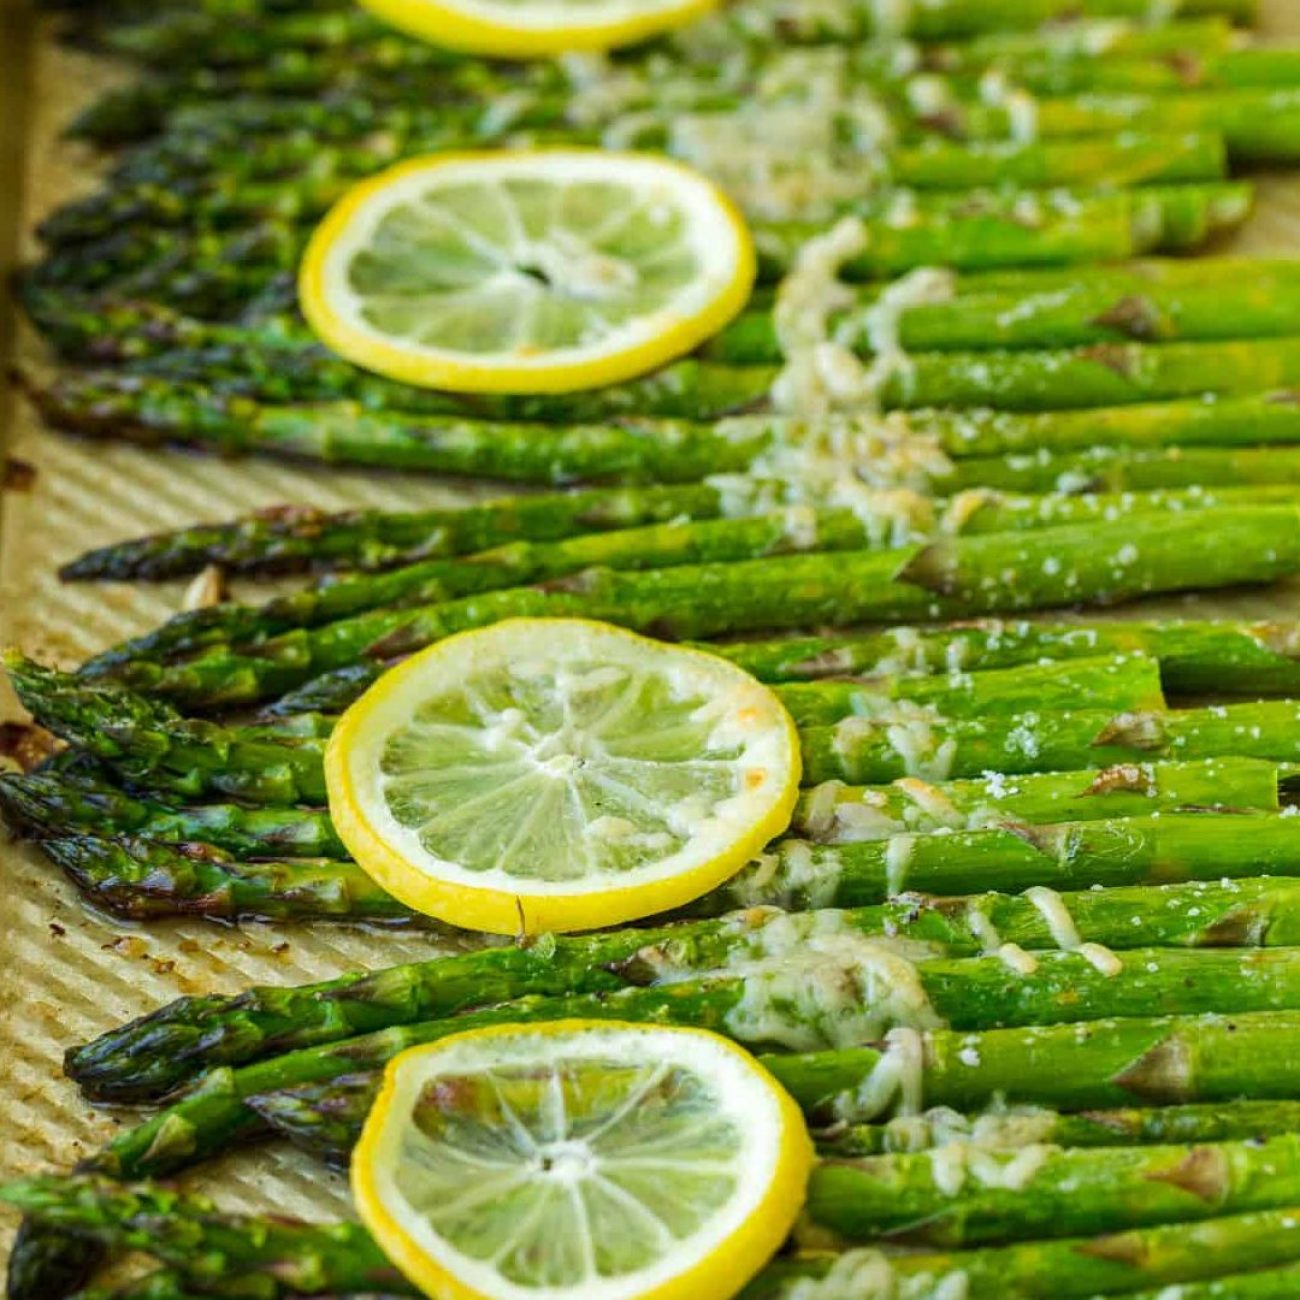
(1065, 934)
(867, 1274)
(794, 877)
(898, 858)
(956, 1162)
(1017, 959)
(1019, 105)
(908, 728)
(896, 1081)
(813, 981)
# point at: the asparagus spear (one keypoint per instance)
(970, 232)
(46, 804)
(394, 70)
(324, 1119)
(215, 41)
(133, 875)
(1144, 1061)
(1070, 855)
(1260, 125)
(286, 539)
(188, 1233)
(388, 79)
(1118, 682)
(837, 813)
(1101, 562)
(222, 200)
(295, 1113)
(1152, 300)
(140, 879)
(1047, 1193)
(1073, 1267)
(150, 1057)
(964, 1195)
(292, 538)
(124, 729)
(877, 518)
(1144, 455)
(1111, 469)
(1094, 311)
(1196, 657)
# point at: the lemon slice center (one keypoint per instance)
(560, 773)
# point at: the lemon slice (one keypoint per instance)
(526, 271)
(523, 29)
(580, 1159)
(559, 774)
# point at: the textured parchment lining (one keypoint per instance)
(68, 974)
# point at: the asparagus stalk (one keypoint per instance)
(391, 70)
(213, 40)
(293, 538)
(187, 1233)
(1165, 444)
(1069, 856)
(987, 230)
(1101, 562)
(877, 519)
(139, 879)
(967, 1196)
(860, 752)
(1081, 1267)
(837, 813)
(1104, 1063)
(1264, 1284)
(1196, 657)
(135, 876)
(324, 1120)
(125, 728)
(1260, 125)
(288, 539)
(220, 201)
(151, 1057)
(1151, 300)
(296, 1112)
(1117, 682)
(918, 743)
(48, 805)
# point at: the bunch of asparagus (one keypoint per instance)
(1064, 1064)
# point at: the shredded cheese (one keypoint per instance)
(898, 857)
(866, 1274)
(814, 981)
(1019, 105)
(896, 1081)
(952, 1164)
(1065, 934)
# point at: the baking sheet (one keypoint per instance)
(68, 974)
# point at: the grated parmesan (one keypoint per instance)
(867, 1274)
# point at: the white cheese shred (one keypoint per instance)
(868, 1274)
(1065, 934)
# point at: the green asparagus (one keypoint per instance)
(1204, 442)
(1102, 562)
(1196, 657)
(158, 1053)
(222, 201)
